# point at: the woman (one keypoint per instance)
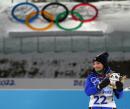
(97, 85)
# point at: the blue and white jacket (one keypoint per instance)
(98, 97)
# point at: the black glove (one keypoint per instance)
(119, 85)
(104, 83)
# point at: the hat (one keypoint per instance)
(102, 58)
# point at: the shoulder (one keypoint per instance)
(91, 75)
(108, 70)
(92, 79)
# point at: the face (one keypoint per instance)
(98, 66)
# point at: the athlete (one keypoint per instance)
(97, 85)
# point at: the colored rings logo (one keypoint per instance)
(95, 80)
(53, 13)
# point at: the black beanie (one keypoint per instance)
(103, 58)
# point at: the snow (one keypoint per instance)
(113, 19)
(113, 16)
(127, 89)
(64, 60)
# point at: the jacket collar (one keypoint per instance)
(106, 71)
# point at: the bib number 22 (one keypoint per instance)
(100, 100)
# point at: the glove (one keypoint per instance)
(104, 83)
(119, 85)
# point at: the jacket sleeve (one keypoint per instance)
(118, 93)
(90, 88)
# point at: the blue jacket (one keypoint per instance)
(91, 89)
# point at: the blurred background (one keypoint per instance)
(66, 56)
(47, 69)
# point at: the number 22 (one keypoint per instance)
(100, 97)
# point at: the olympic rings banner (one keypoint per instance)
(52, 17)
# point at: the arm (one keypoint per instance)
(90, 88)
(119, 90)
(118, 94)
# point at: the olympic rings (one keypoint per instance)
(24, 3)
(39, 29)
(58, 4)
(71, 29)
(33, 14)
(87, 20)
